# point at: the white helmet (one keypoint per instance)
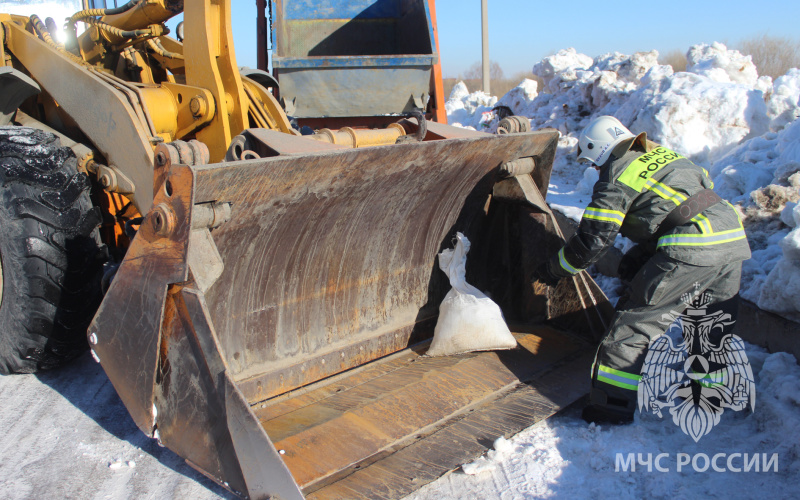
(599, 138)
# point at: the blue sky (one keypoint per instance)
(522, 32)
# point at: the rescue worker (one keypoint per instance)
(687, 236)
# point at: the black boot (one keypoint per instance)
(602, 414)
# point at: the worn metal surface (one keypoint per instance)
(364, 91)
(126, 331)
(363, 58)
(394, 475)
(355, 62)
(576, 304)
(330, 257)
(355, 420)
(15, 87)
(326, 264)
(346, 27)
(202, 415)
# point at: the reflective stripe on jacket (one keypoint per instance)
(634, 195)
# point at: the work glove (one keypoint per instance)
(632, 261)
(545, 275)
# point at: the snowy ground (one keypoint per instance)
(66, 433)
(563, 457)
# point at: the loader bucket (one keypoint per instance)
(281, 352)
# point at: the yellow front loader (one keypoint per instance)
(269, 296)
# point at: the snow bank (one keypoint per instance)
(467, 110)
(781, 290)
(763, 176)
(741, 127)
(563, 457)
(719, 64)
(784, 104)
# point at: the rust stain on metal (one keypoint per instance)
(329, 250)
(374, 409)
(129, 319)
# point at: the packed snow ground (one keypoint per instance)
(67, 434)
(563, 457)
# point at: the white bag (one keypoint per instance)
(468, 319)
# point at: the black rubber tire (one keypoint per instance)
(50, 252)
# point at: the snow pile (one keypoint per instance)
(503, 449)
(763, 176)
(520, 97)
(700, 117)
(703, 112)
(468, 110)
(721, 65)
(563, 457)
(784, 104)
(781, 289)
(719, 113)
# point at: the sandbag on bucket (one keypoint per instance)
(468, 319)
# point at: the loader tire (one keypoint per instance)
(50, 253)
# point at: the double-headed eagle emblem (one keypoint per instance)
(689, 375)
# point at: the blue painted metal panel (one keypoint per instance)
(340, 9)
(352, 62)
(354, 57)
(341, 92)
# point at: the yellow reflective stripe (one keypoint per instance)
(642, 168)
(604, 215)
(654, 183)
(677, 198)
(701, 239)
(703, 223)
(665, 191)
(618, 378)
(741, 224)
(566, 265)
(709, 177)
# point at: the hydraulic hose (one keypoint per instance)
(81, 15)
(159, 49)
(43, 33)
(88, 16)
(116, 31)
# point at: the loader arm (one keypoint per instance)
(101, 110)
(211, 106)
